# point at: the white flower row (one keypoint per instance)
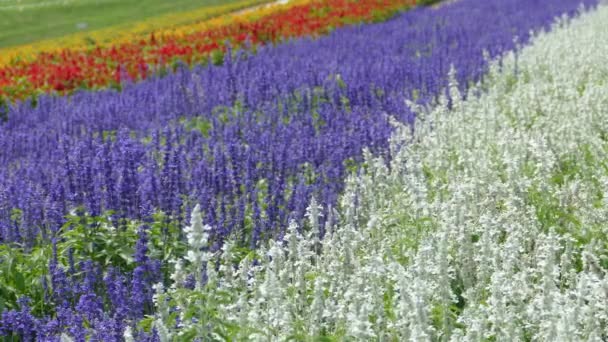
(490, 223)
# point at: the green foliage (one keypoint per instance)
(443, 317)
(217, 57)
(21, 274)
(198, 124)
(427, 2)
(97, 239)
(436, 180)
(86, 237)
(166, 241)
(3, 110)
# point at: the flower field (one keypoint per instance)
(138, 56)
(441, 175)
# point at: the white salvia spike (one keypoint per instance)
(313, 213)
(65, 338)
(197, 236)
(195, 233)
(128, 334)
(455, 94)
(179, 274)
(317, 307)
(163, 333)
(292, 237)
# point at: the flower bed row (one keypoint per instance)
(66, 70)
(129, 31)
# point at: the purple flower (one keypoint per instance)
(19, 323)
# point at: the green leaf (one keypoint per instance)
(19, 282)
